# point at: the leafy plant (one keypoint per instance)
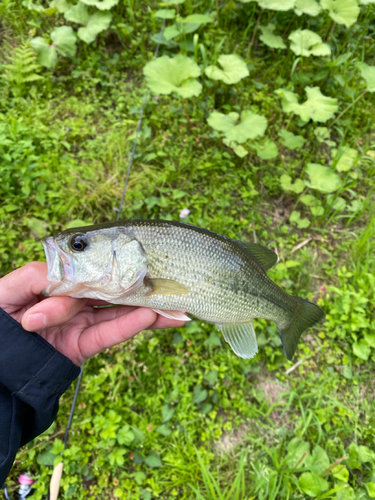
(234, 69)
(166, 75)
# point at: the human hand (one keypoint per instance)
(72, 326)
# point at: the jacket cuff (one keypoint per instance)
(39, 370)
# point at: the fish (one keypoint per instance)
(175, 268)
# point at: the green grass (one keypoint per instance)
(175, 414)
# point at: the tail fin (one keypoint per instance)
(305, 315)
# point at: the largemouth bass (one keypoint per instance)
(173, 266)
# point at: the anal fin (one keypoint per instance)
(180, 316)
(241, 337)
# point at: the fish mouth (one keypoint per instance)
(59, 267)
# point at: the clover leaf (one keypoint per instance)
(101, 4)
(306, 43)
(342, 11)
(97, 23)
(322, 178)
(165, 75)
(310, 7)
(368, 74)
(270, 39)
(250, 126)
(234, 69)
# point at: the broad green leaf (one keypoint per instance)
(200, 394)
(341, 473)
(125, 436)
(321, 133)
(369, 339)
(277, 4)
(291, 141)
(164, 429)
(322, 178)
(171, 32)
(167, 412)
(286, 184)
(370, 489)
(319, 461)
(196, 19)
(234, 69)
(298, 450)
(361, 350)
(310, 7)
(365, 454)
(289, 100)
(317, 211)
(213, 339)
(47, 54)
(318, 107)
(65, 40)
(270, 39)
(306, 43)
(266, 150)
(61, 5)
(312, 484)
(346, 160)
(165, 75)
(251, 125)
(36, 226)
(368, 74)
(342, 11)
(309, 200)
(153, 460)
(101, 4)
(211, 377)
(339, 204)
(237, 148)
(165, 14)
(97, 23)
(77, 14)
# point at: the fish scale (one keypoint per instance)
(172, 266)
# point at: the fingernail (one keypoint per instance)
(35, 321)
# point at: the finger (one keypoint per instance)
(163, 322)
(53, 311)
(23, 284)
(109, 333)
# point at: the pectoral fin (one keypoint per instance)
(241, 337)
(180, 316)
(162, 286)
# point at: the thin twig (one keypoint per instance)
(296, 365)
(302, 244)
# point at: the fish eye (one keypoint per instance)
(78, 242)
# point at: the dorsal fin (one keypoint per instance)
(266, 257)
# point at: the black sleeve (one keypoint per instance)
(33, 376)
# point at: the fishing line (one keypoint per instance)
(56, 480)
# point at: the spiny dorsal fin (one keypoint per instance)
(163, 286)
(266, 257)
(241, 337)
